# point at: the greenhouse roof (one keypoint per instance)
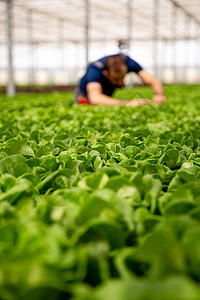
(54, 21)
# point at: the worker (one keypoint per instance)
(106, 74)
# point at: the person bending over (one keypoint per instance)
(106, 74)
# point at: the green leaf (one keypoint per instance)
(191, 245)
(7, 164)
(92, 209)
(69, 163)
(43, 150)
(7, 211)
(16, 192)
(129, 194)
(96, 181)
(163, 252)
(20, 147)
(116, 182)
(131, 151)
(33, 162)
(56, 151)
(195, 213)
(20, 169)
(34, 135)
(152, 191)
(171, 158)
(7, 181)
(110, 232)
(179, 207)
(49, 181)
(49, 163)
(174, 287)
(154, 169)
(31, 177)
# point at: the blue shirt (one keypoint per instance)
(94, 73)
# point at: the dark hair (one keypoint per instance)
(115, 63)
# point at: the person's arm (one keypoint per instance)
(156, 85)
(96, 97)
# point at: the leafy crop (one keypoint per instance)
(100, 202)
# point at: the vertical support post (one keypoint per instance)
(186, 48)
(129, 22)
(174, 35)
(198, 50)
(197, 54)
(155, 35)
(163, 63)
(10, 83)
(87, 16)
(76, 64)
(30, 43)
(190, 54)
(60, 44)
(63, 50)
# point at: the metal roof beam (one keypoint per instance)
(47, 14)
(46, 42)
(185, 11)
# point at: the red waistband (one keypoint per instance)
(83, 101)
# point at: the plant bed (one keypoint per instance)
(100, 202)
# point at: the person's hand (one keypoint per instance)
(157, 99)
(138, 102)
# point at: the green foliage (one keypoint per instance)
(100, 203)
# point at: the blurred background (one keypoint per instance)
(50, 42)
